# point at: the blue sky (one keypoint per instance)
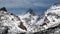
(20, 6)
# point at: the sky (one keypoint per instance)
(21, 6)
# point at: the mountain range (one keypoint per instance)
(30, 23)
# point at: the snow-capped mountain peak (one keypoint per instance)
(52, 14)
(54, 9)
(30, 11)
(10, 21)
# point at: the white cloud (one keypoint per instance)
(25, 3)
(20, 3)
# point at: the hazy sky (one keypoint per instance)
(20, 6)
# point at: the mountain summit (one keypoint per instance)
(3, 9)
(31, 12)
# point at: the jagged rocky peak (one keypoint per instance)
(55, 6)
(3, 9)
(55, 9)
(31, 12)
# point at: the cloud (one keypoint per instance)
(15, 3)
(20, 3)
(25, 3)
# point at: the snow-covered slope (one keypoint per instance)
(51, 19)
(35, 23)
(10, 22)
(53, 15)
(52, 24)
(29, 22)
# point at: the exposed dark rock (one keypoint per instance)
(46, 20)
(31, 12)
(22, 26)
(53, 20)
(37, 33)
(57, 16)
(5, 30)
(3, 9)
(22, 33)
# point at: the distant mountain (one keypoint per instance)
(30, 23)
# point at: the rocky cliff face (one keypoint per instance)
(30, 23)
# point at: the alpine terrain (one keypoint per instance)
(30, 23)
